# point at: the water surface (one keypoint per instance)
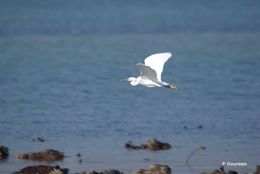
(60, 66)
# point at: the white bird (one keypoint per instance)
(151, 71)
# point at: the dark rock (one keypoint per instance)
(39, 139)
(78, 155)
(110, 171)
(217, 171)
(157, 145)
(154, 169)
(130, 145)
(139, 171)
(48, 155)
(79, 158)
(4, 152)
(152, 144)
(42, 169)
(220, 171)
(91, 172)
(200, 127)
(257, 169)
(202, 147)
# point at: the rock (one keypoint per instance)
(58, 171)
(42, 169)
(79, 158)
(220, 171)
(232, 172)
(157, 145)
(91, 172)
(78, 155)
(152, 144)
(139, 171)
(48, 155)
(39, 139)
(130, 145)
(159, 169)
(110, 171)
(154, 169)
(200, 126)
(4, 152)
(257, 169)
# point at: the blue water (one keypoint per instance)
(60, 66)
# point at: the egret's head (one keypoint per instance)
(133, 81)
(130, 79)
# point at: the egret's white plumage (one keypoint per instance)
(156, 62)
(151, 71)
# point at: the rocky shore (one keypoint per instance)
(51, 155)
(152, 144)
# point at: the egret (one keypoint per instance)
(151, 71)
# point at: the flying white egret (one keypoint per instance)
(151, 71)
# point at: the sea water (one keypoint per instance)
(60, 68)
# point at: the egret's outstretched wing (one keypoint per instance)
(147, 72)
(156, 62)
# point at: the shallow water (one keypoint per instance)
(63, 84)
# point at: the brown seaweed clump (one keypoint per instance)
(221, 170)
(42, 169)
(110, 171)
(152, 144)
(48, 155)
(154, 169)
(4, 152)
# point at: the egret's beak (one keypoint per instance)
(123, 80)
(173, 86)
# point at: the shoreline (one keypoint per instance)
(127, 161)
